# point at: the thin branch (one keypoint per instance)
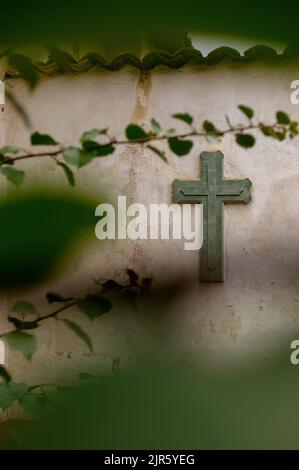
(151, 138)
(38, 320)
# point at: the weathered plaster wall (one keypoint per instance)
(259, 299)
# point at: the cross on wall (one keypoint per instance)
(212, 190)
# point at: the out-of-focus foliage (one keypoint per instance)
(121, 24)
(36, 229)
(175, 407)
(97, 143)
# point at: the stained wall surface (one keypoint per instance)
(259, 300)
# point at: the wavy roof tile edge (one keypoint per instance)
(95, 61)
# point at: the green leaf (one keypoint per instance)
(103, 150)
(4, 374)
(156, 128)
(92, 134)
(282, 118)
(34, 404)
(79, 332)
(25, 67)
(37, 215)
(68, 173)
(158, 152)
(42, 139)
(293, 129)
(268, 131)
(24, 307)
(88, 142)
(9, 149)
(94, 306)
(116, 366)
(13, 175)
(77, 157)
(245, 140)
(214, 135)
(54, 297)
(133, 277)
(10, 392)
(247, 111)
(20, 324)
(54, 397)
(6, 159)
(208, 126)
(280, 135)
(134, 132)
(170, 132)
(18, 107)
(180, 147)
(21, 341)
(146, 286)
(60, 57)
(85, 376)
(183, 117)
(110, 284)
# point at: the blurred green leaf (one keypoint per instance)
(79, 332)
(10, 392)
(246, 110)
(94, 306)
(245, 140)
(170, 132)
(110, 284)
(135, 132)
(35, 231)
(25, 68)
(282, 118)
(68, 173)
(293, 129)
(213, 133)
(24, 307)
(183, 117)
(268, 131)
(13, 175)
(85, 376)
(123, 31)
(208, 126)
(103, 150)
(54, 297)
(133, 277)
(34, 404)
(20, 324)
(4, 374)
(116, 366)
(6, 159)
(280, 135)
(158, 152)
(54, 397)
(77, 157)
(156, 128)
(42, 139)
(89, 136)
(9, 149)
(21, 341)
(180, 147)
(60, 57)
(19, 108)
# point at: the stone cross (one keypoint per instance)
(212, 191)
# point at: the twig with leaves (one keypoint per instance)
(98, 143)
(35, 399)
(92, 305)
